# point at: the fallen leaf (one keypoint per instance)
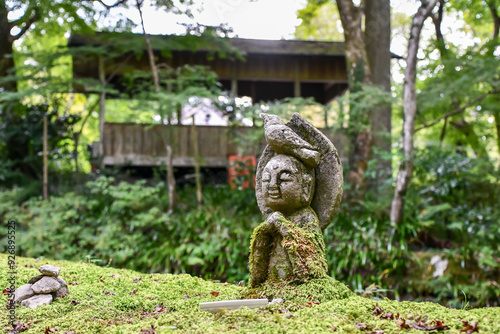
(19, 327)
(469, 327)
(74, 283)
(333, 328)
(388, 315)
(6, 291)
(70, 332)
(137, 279)
(10, 303)
(234, 327)
(150, 330)
(289, 315)
(241, 283)
(133, 293)
(421, 324)
(377, 310)
(198, 295)
(439, 326)
(312, 303)
(116, 275)
(377, 332)
(403, 324)
(74, 302)
(51, 330)
(100, 279)
(90, 296)
(361, 325)
(215, 293)
(186, 297)
(108, 293)
(160, 308)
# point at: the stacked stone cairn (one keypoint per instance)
(42, 289)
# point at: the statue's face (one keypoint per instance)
(283, 184)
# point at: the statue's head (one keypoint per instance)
(287, 184)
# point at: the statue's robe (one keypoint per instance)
(288, 249)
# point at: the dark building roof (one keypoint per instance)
(271, 69)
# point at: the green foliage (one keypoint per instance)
(127, 225)
(320, 21)
(21, 141)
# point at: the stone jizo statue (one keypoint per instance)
(299, 188)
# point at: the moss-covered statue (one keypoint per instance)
(299, 188)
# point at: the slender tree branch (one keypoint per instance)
(116, 4)
(92, 108)
(459, 110)
(496, 19)
(28, 23)
(122, 64)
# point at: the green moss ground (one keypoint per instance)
(129, 313)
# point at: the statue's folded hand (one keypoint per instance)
(275, 222)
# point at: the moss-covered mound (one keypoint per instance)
(107, 300)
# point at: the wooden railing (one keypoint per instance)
(145, 145)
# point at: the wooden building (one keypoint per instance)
(270, 70)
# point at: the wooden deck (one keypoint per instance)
(127, 144)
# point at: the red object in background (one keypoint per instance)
(241, 168)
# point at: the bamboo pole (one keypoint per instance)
(197, 168)
(45, 167)
(102, 110)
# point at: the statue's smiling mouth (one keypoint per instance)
(274, 194)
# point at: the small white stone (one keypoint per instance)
(23, 292)
(46, 284)
(49, 270)
(37, 300)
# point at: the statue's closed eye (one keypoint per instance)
(266, 177)
(286, 176)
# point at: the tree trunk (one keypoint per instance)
(358, 73)
(410, 110)
(378, 41)
(7, 66)
(156, 81)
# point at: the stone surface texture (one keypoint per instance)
(299, 188)
(23, 292)
(63, 290)
(35, 279)
(42, 289)
(37, 300)
(49, 270)
(46, 284)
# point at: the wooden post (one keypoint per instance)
(102, 110)
(234, 87)
(197, 164)
(296, 79)
(45, 167)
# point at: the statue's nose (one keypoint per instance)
(273, 183)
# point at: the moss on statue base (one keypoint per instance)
(295, 297)
(283, 251)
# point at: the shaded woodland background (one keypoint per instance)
(422, 176)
